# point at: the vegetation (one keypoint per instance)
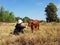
(26, 19)
(42, 21)
(49, 34)
(6, 16)
(51, 13)
(17, 18)
(58, 20)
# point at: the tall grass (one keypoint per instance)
(49, 34)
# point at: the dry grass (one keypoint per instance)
(49, 34)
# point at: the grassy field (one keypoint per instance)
(49, 34)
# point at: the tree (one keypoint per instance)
(6, 16)
(58, 19)
(51, 15)
(42, 21)
(26, 19)
(17, 18)
(11, 17)
(2, 14)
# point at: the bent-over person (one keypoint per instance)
(19, 27)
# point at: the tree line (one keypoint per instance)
(6, 16)
(51, 15)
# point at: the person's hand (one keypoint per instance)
(26, 26)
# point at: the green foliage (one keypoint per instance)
(17, 18)
(2, 13)
(51, 14)
(42, 21)
(6, 16)
(11, 17)
(58, 20)
(26, 19)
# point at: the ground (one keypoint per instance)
(49, 34)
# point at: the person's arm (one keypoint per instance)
(22, 27)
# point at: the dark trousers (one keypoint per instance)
(16, 31)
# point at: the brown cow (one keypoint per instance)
(33, 24)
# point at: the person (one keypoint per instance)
(19, 27)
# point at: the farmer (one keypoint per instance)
(19, 27)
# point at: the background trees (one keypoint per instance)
(17, 18)
(26, 19)
(51, 13)
(11, 17)
(2, 12)
(6, 16)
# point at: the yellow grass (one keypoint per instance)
(49, 34)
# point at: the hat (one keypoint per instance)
(19, 21)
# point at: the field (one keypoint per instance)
(49, 34)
